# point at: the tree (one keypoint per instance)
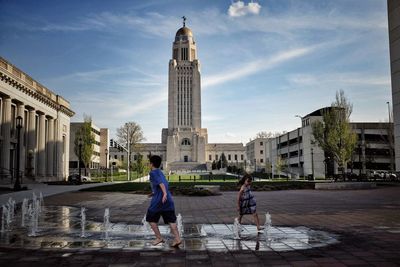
(279, 165)
(334, 133)
(85, 133)
(130, 131)
(141, 165)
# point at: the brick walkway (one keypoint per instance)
(368, 222)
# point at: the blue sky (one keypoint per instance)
(262, 62)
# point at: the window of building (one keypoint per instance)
(261, 152)
(122, 157)
(115, 157)
(235, 156)
(134, 157)
(229, 156)
(186, 142)
(261, 143)
(209, 157)
(216, 157)
(241, 157)
(261, 160)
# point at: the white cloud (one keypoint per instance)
(255, 66)
(239, 9)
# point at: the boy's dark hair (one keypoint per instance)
(244, 178)
(156, 161)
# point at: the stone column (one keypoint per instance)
(21, 112)
(31, 169)
(41, 172)
(50, 148)
(6, 133)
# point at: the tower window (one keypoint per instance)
(186, 142)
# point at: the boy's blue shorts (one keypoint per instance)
(168, 216)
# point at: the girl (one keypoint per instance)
(246, 200)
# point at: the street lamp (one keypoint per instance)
(80, 143)
(312, 163)
(106, 151)
(17, 185)
(388, 104)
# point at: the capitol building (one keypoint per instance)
(184, 144)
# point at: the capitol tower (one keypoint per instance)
(185, 139)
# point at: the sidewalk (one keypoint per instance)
(47, 190)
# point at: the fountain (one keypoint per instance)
(106, 223)
(24, 210)
(76, 231)
(236, 229)
(179, 224)
(83, 221)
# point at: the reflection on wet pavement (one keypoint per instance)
(60, 228)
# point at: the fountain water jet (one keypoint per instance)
(146, 226)
(268, 224)
(4, 214)
(106, 224)
(236, 229)
(179, 224)
(24, 210)
(83, 221)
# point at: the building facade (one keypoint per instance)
(184, 144)
(394, 41)
(257, 153)
(100, 156)
(44, 136)
(302, 157)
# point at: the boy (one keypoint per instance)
(161, 204)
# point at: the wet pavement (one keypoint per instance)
(362, 229)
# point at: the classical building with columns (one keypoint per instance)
(184, 144)
(44, 136)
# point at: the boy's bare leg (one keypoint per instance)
(175, 232)
(157, 233)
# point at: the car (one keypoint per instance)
(75, 179)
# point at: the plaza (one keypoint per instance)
(365, 222)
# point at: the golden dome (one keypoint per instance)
(184, 31)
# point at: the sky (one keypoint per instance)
(262, 62)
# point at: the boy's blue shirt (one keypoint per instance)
(156, 205)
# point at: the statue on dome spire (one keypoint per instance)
(184, 21)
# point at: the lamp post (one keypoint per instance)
(17, 184)
(312, 163)
(106, 151)
(80, 143)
